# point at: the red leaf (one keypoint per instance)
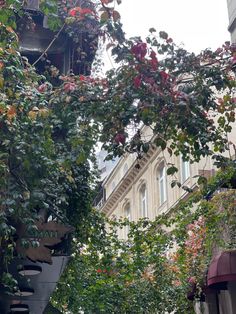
(137, 81)
(84, 11)
(42, 88)
(72, 12)
(87, 11)
(139, 50)
(164, 75)
(169, 40)
(119, 138)
(106, 1)
(153, 61)
(82, 78)
(69, 87)
(116, 16)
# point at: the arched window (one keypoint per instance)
(143, 201)
(161, 177)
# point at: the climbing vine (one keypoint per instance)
(50, 123)
(162, 264)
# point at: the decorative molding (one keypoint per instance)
(126, 182)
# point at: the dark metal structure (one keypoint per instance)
(45, 48)
(36, 285)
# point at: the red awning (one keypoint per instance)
(222, 269)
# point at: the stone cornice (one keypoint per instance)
(127, 181)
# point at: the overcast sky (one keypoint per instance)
(198, 24)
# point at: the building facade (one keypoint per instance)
(232, 19)
(138, 188)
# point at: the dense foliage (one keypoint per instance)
(50, 123)
(158, 265)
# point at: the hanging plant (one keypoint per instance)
(80, 18)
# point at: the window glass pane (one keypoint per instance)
(162, 185)
(143, 201)
(127, 216)
(185, 169)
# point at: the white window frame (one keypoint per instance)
(127, 214)
(143, 201)
(185, 169)
(162, 185)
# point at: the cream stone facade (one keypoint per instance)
(138, 188)
(232, 19)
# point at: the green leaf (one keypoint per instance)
(152, 30)
(81, 158)
(104, 17)
(202, 180)
(160, 142)
(171, 170)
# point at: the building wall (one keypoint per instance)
(124, 200)
(124, 186)
(232, 19)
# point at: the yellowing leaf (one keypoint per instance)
(104, 16)
(11, 112)
(9, 92)
(81, 158)
(1, 82)
(70, 178)
(2, 108)
(32, 114)
(43, 112)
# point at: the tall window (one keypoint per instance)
(127, 214)
(143, 201)
(185, 170)
(162, 184)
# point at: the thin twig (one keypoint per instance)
(50, 45)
